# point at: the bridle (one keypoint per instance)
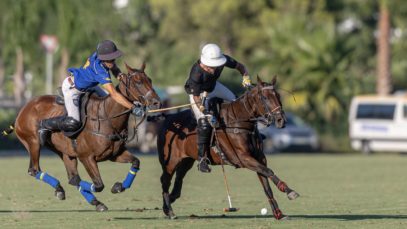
(140, 99)
(269, 116)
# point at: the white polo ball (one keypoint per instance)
(263, 211)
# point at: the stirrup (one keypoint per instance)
(205, 160)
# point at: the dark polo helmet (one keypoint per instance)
(107, 50)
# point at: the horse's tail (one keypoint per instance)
(8, 131)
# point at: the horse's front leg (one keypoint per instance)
(87, 188)
(267, 189)
(126, 157)
(252, 164)
(165, 179)
(184, 166)
(71, 165)
(269, 193)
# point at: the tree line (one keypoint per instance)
(323, 51)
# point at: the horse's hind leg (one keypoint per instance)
(87, 188)
(34, 169)
(184, 166)
(126, 157)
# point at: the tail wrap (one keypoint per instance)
(8, 131)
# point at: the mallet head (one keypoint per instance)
(231, 209)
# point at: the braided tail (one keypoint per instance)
(8, 131)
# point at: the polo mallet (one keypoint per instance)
(230, 209)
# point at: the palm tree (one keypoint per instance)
(384, 79)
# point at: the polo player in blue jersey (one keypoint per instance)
(95, 71)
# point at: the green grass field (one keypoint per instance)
(337, 191)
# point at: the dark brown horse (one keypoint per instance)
(236, 137)
(103, 137)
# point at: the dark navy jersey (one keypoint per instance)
(92, 73)
(199, 80)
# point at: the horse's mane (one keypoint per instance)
(238, 99)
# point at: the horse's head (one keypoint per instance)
(136, 86)
(269, 103)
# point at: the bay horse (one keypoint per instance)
(103, 137)
(236, 137)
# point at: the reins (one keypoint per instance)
(123, 136)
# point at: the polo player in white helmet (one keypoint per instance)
(202, 82)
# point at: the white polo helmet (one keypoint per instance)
(212, 56)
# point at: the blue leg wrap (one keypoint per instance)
(130, 177)
(88, 195)
(47, 179)
(87, 186)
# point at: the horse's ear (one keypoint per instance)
(143, 66)
(129, 69)
(259, 81)
(274, 80)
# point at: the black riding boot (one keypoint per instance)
(47, 126)
(55, 124)
(202, 159)
(204, 134)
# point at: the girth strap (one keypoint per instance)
(113, 137)
(238, 130)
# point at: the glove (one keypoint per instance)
(121, 76)
(137, 110)
(246, 81)
(202, 108)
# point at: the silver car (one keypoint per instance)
(296, 136)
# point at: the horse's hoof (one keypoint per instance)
(117, 188)
(293, 195)
(171, 215)
(101, 207)
(285, 217)
(60, 195)
(166, 212)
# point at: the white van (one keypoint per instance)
(378, 123)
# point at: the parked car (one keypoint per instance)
(296, 136)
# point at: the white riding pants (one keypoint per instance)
(220, 91)
(72, 98)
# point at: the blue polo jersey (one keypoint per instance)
(92, 73)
